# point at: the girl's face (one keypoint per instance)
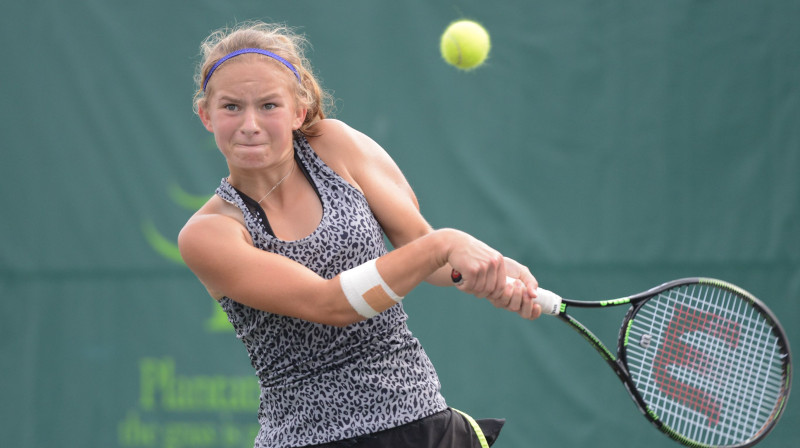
(252, 112)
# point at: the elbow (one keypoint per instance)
(338, 316)
(342, 323)
(335, 311)
(339, 320)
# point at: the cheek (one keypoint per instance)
(220, 127)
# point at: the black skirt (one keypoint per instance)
(446, 429)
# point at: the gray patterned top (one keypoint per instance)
(321, 383)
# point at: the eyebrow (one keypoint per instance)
(235, 99)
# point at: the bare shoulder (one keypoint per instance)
(347, 151)
(367, 166)
(216, 220)
(211, 240)
(336, 142)
(215, 209)
(332, 130)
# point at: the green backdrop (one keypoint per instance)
(610, 145)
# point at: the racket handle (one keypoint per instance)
(548, 300)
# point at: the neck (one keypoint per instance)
(277, 184)
(259, 184)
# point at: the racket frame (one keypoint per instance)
(618, 361)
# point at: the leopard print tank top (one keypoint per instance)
(321, 383)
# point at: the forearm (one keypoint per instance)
(376, 286)
(442, 276)
(422, 259)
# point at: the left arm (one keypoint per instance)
(367, 166)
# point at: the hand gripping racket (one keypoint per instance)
(704, 360)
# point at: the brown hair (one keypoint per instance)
(278, 39)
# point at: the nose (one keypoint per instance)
(249, 122)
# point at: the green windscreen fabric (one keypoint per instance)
(609, 146)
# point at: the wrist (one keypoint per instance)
(407, 266)
(444, 244)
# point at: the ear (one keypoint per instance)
(300, 117)
(205, 118)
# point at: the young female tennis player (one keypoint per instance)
(292, 247)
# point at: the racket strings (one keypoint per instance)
(735, 380)
(707, 363)
(735, 376)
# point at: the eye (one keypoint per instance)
(270, 106)
(231, 107)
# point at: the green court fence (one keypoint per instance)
(609, 145)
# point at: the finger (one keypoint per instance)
(517, 271)
(515, 303)
(487, 283)
(479, 289)
(517, 293)
(490, 283)
(467, 283)
(526, 308)
(496, 278)
(499, 300)
(495, 303)
(536, 311)
(531, 284)
(503, 292)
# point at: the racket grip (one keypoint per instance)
(548, 300)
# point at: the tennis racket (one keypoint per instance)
(704, 360)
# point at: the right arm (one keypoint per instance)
(218, 250)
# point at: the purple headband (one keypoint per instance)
(250, 50)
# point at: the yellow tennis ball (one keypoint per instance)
(465, 44)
